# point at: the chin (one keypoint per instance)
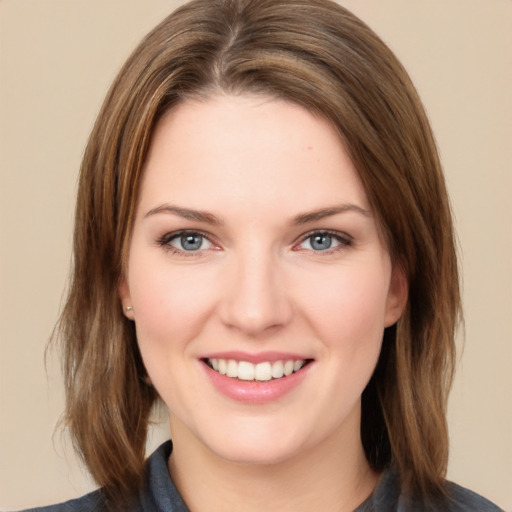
(257, 446)
(257, 455)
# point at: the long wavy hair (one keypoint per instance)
(318, 55)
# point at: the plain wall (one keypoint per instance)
(57, 59)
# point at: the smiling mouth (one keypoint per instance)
(265, 371)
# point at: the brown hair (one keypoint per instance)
(318, 55)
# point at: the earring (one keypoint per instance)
(128, 308)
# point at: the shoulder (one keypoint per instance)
(465, 500)
(157, 495)
(91, 502)
(389, 496)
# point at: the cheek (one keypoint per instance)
(171, 304)
(349, 300)
(346, 311)
(171, 308)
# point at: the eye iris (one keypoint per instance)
(321, 242)
(191, 242)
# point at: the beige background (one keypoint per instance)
(57, 58)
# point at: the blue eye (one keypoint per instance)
(190, 241)
(322, 241)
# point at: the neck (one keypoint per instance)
(333, 477)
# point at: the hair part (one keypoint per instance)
(318, 55)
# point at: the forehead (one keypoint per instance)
(252, 151)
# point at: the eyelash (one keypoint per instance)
(343, 239)
(165, 242)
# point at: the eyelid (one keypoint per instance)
(164, 241)
(344, 238)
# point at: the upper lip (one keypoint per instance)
(255, 358)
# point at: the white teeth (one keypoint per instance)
(232, 368)
(244, 370)
(288, 368)
(263, 371)
(278, 369)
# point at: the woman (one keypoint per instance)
(263, 240)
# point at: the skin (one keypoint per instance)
(257, 284)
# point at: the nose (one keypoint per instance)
(255, 300)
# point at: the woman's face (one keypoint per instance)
(255, 253)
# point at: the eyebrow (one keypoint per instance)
(186, 213)
(210, 218)
(304, 218)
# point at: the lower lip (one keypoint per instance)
(256, 392)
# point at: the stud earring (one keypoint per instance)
(128, 308)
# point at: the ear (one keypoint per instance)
(397, 296)
(125, 297)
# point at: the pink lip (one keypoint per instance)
(260, 357)
(256, 392)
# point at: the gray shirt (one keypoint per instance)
(160, 495)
